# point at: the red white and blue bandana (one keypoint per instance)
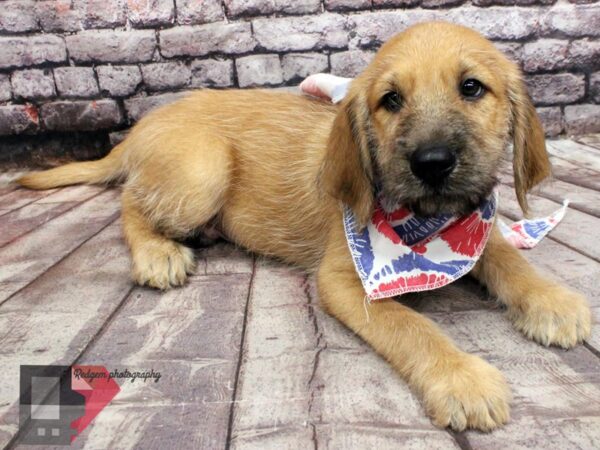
(399, 252)
(526, 233)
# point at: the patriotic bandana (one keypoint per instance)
(527, 233)
(399, 252)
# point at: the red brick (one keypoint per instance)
(59, 15)
(552, 89)
(195, 12)
(102, 13)
(119, 81)
(395, 2)
(76, 82)
(5, 89)
(347, 5)
(212, 73)
(582, 119)
(513, 2)
(301, 33)
(595, 86)
(297, 66)
(167, 75)
(259, 70)
(544, 54)
(21, 51)
(81, 115)
(33, 84)
(350, 63)
(261, 7)
(112, 46)
(18, 119)
(205, 39)
(552, 120)
(573, 20)
(18, 16)
(149, 13)
(137, 107)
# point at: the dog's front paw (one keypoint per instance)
(553, 316)
(468, 394)
(162, 264)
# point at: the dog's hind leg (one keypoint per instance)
(166, 198)
(158, 261)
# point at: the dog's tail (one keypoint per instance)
(104, 170)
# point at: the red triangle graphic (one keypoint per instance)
(98, 391)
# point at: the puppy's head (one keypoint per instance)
(428, 123)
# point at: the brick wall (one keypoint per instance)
(72, 71)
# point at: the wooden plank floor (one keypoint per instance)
(247, 358)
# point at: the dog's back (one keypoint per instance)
(259, 151)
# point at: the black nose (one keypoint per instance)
(433, 164)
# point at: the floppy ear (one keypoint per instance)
(530, 159)
(346, 172)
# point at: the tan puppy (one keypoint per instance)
(272, 170)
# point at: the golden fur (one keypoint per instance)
(272, 170)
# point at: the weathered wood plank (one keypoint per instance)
(567, 171)
(15, 197)
(302, 436)
(343, 437)
(156, 425)
(359, 436)
(53, 319)
(277, 362)
(581, 198)
(567, 265)
(571, 173)
(26, 258)
(546, 382)
(574, 231)
(192, 337)
(6, 181)
(578, 154)
(21, 221)
(575, 433)
(574, 270)
(294, 374)
(591, 140)
(572, 376)
(223, 258)
(78, 193)
(18, 198)
(557, 256)
(356, 403)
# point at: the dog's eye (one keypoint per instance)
(472, 89)
(391, 101)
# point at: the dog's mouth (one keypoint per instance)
(445, 205)
(444, 200)
(457, 194)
